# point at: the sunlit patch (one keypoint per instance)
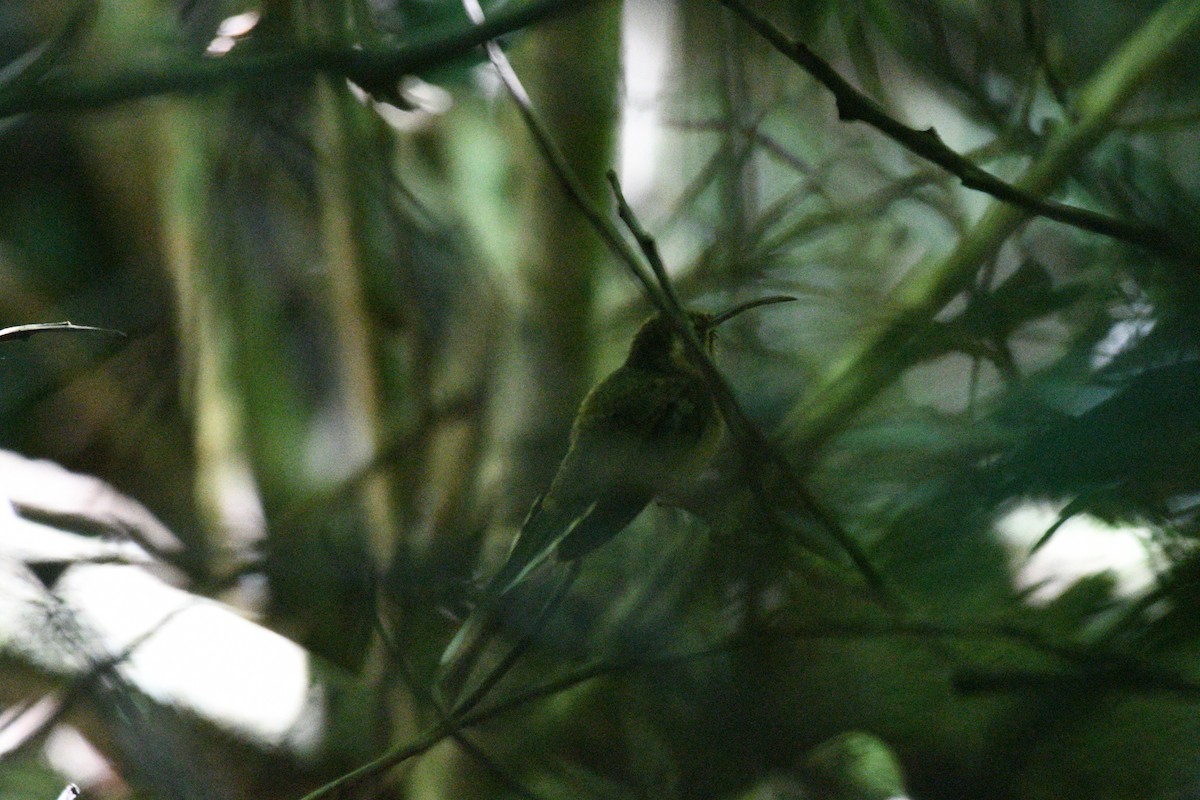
(1121, 337)
(197, 654)
(19, 722)
(230, 30)
(423, 102)
(647, 29)
(1082, 546)
(70, 753)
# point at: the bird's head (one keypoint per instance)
(658, 345)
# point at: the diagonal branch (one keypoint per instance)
(854, 106)
(567, 179)
(926, 289)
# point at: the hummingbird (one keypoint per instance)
(649, 427)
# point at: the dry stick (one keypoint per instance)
(854, 106)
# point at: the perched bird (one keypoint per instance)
(649, 426)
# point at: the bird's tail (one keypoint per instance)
(461, 681)
(462, 653)
(543, 529)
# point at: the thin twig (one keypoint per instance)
(1091, 666)
(768, 144)
(424, 694)
(565, 175)
(649, 249)
(861, 209)
(873, 363)
(662, 294)
(733, 149)
(1099, 679)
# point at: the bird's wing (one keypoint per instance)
(623, 450)
(603, 520)
(627, 471)
(544, 528)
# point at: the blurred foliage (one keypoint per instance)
(358, 330)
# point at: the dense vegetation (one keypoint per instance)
(366, 269)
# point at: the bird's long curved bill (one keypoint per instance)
(25, 331)
(730, 313)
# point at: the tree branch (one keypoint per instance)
(372, 66)
(854, 106)
(927, 288)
